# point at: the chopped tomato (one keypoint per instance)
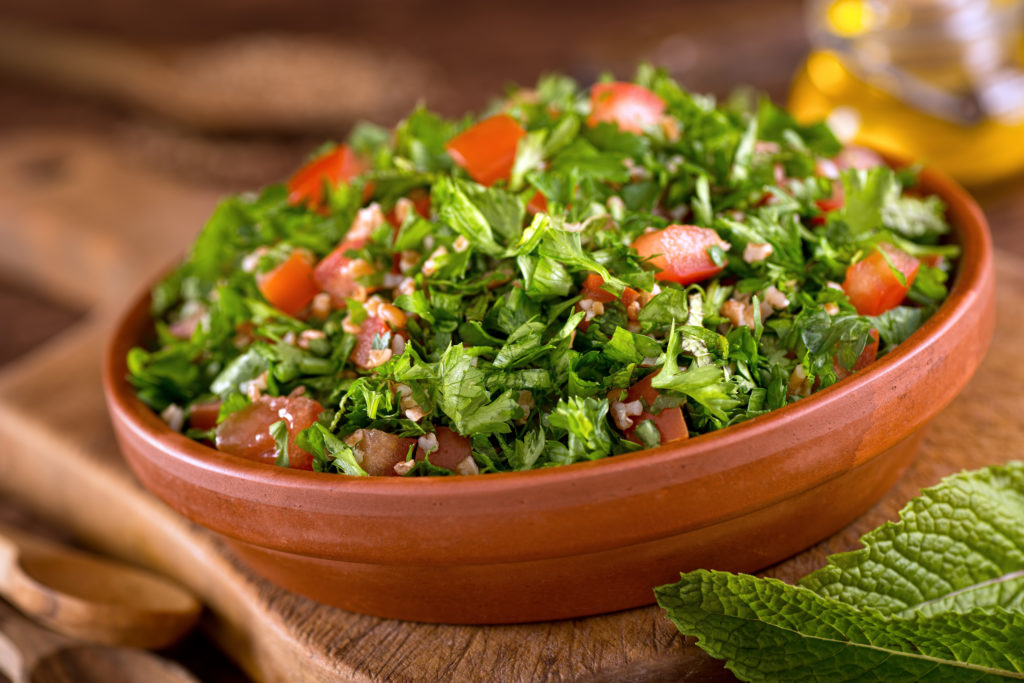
(339, 165)
(872, 286)
(378, 451)
(591, 289)
(866, 358)
(204, 415)
(670, 421)
(289, 287)
(487, 150)
(835, 201)
(538, 203)
(633, 108)
(371, 328)
(246, 432)
(680, 252)
(335, 274)
(452, 448)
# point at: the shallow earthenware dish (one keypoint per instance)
(590, 537)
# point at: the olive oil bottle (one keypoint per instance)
(936, 81)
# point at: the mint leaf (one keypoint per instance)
(771, 631)
(959, 545)
(938, 595)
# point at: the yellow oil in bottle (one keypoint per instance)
(905, 96)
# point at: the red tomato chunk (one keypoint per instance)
(591, 290)
(670, 421)
(452, 448)
(872, 286)
(290, 287)
(339, 165)
(633, 108)
(336, 275)
(680, 252)
(204, 415)
(378, 452)
(487, 150)
(246, 432)
(364, 355)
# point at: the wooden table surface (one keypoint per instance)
(44, 130)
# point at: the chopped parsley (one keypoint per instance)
(518, 313)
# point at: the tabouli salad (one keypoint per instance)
(574, 275)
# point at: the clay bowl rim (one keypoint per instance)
(602, 479)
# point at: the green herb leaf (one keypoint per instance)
(936, 595)
(770, 631)
(279, 432)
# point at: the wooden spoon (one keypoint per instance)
(29, 654)
(92, 598)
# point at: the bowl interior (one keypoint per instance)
(726, 474)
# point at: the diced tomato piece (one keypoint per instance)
(629, 297)
(487, 150)
(833, 202)
(335, 275)
(934, 260)
(872, 286)
(633, 108)
(289, 287)
(246, 432)
(670, 421)
(680, 252)
(452, 448)
(204, 415)
(339, 165)
(591, 289)
(866, 358)
(378, 451)
(538, 203)
(372, 327)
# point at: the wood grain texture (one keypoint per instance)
(60, 460)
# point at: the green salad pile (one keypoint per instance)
(576, 274)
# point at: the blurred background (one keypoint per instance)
(122, 122)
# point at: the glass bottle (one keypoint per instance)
(936, 81)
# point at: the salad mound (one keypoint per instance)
(574, 275)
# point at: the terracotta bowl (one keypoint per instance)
(590, 537)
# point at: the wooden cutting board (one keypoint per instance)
(58, 457)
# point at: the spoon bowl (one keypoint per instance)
(89, 597)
